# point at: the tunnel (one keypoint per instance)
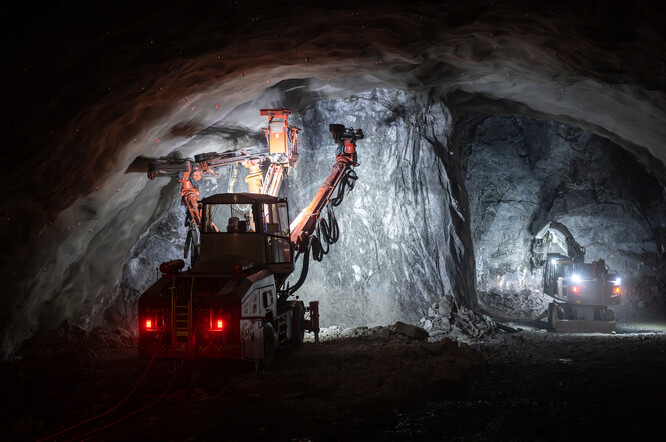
(483, 122)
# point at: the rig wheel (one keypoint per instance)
(552, 314)
(269, 347)
(298, 338)
(609, 315)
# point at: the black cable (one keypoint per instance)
(284, 294)
(328, 230)
(348, 181)
(318, 251)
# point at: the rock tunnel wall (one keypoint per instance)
(90, 88)
(522, 173)
(403, 243)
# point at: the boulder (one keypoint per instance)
(411, 331)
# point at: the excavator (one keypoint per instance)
(581, 291)
(234, 301)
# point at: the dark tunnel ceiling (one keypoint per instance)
(89, 87)
(92, 77)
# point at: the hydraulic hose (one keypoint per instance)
(347, 181)
(289, 290)
(327, 230)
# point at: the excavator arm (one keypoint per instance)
(557, 234)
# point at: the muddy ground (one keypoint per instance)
(529, 385)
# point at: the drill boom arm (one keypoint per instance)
(305, 223)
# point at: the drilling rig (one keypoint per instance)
(234, 301)
(581, 291)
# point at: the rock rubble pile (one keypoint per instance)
(455, 321)
(525, 304)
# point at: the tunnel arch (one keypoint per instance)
(131, 98)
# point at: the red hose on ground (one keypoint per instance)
(136, 386)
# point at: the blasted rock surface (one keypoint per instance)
(522, 173)
(403, 243)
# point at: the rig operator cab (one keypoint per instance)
(227, 305)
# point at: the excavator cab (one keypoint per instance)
(556, 268)
(245, 227)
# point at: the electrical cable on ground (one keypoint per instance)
(139, 411)
(125, 399)
(149, 406)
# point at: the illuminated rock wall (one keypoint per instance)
(522, 173)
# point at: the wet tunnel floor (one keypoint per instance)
(531, 386)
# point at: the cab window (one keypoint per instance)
(228, 218)
(276, 219)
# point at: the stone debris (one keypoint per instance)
(411, 331)
(444, 319)
(448, 318)
(525, 304)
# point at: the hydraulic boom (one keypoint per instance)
(306, 222)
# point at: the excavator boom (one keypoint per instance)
(557, 234)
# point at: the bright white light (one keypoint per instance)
(618, 281)
(575, 277)
(553, 261)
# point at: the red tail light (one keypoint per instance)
(149, 324)
(575, 289)
(616, 290)
(220, 324)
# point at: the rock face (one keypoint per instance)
(403, 242)
(522, 173)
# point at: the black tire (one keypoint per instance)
(556, 315)
(610, 315)
(269, 347)
(298, 337)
